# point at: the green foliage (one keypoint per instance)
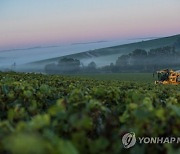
(148, 61)
(71, 115)
(65, 65)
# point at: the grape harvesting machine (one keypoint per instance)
(167, 76)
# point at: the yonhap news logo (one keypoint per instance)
(130, 139)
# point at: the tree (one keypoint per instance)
(69, 65)
(122, 61)
(139, 53)
(51, 68)
(177, 43)
(92, 65)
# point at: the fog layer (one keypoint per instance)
(23, 56)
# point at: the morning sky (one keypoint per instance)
(48, 22)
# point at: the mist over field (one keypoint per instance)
(29, 55)
(131, 55)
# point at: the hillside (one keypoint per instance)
(105, 56)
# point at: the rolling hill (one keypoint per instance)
(105, 56)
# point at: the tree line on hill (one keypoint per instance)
(70, 65)
(138, 60)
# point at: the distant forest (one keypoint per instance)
(138, 60)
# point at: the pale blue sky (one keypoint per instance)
(31, 22)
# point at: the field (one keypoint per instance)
(135, 77)
(79, 114)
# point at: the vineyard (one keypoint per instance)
(71, 115)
